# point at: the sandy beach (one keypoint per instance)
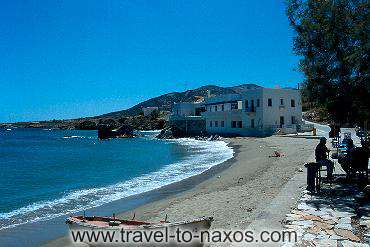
(251, 185)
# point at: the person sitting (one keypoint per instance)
(321, 154)
(356, 159)
(345, 159)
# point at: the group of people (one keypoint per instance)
(353, 160)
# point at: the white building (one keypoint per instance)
(185, 109)
(254, 112)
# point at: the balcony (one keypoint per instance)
(251, 111)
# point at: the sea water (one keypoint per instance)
(49, 173)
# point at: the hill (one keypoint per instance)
(166, 101)
(133, 115)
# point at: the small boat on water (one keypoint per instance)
(97, 223)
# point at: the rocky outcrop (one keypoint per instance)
(107, 132)
(166, 134)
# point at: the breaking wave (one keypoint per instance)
(202, 155)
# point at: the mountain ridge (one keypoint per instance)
(165, 101)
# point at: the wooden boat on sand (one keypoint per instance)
(112, 224)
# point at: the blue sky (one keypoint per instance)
(67, 59)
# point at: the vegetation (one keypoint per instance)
(332, 37)
(86, 125)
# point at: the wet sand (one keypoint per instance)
(240, 191)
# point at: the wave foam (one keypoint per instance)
(202, 156)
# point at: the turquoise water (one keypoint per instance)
(48, 173)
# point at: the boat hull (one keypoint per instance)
(185, 233)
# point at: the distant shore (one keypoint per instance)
(235, 192)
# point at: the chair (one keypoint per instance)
(359, 162)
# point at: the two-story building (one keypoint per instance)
(254, 112)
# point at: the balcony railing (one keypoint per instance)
(250, 109)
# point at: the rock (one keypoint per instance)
(107, 131)
(331, 221)
(345, 220)
(299, 212)
(344, 226)
(125, 130)
(165, 134)
(335, 237)
(340, 214)
(316, 212)
(308, 236)
(323, 225)
(365, 223)
(303, 206)
(313, 229)
(312, 217)
(330, 232)
(322, 236)
(346, 234)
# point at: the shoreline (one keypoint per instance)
(120, 206)
(236, 192)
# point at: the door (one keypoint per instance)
(281, 121)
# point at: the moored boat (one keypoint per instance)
(112, 224)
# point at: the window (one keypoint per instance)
(252, 105)
(252, 123)
(292, 103)
(234, 105)
(233, 124)
(281, 101)
(293, 120)
(210, 123)
(215, 107)
(258, 102)
(239, 124)
(222, 107)
(269, 102)
(246, 105)
(222, 124)
(216, 123)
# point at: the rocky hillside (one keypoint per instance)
(166, 101)
(133, 115)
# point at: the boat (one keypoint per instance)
(112, 224)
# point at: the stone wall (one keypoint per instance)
(188, 127)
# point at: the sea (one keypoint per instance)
(47, 173)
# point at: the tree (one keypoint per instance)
(332, 37)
